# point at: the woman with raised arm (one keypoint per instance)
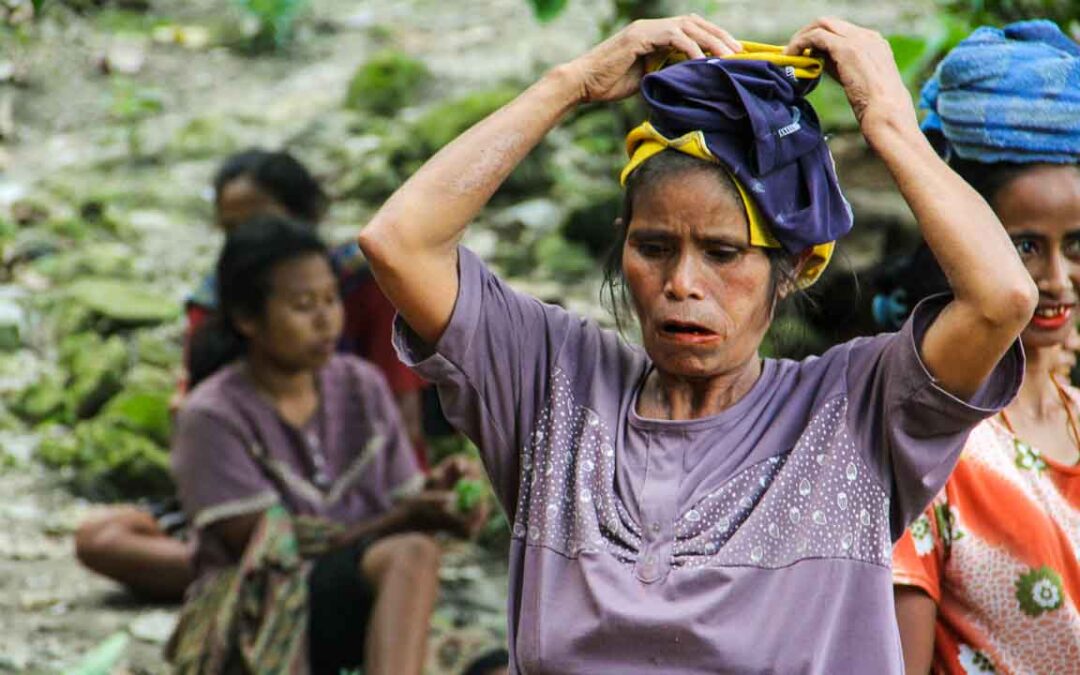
(688, 506)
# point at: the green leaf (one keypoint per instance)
(546, 10)
(469, 493)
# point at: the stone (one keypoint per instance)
(124, 303)
(124, 57)
(143, 412)
(12, 321)
(153, 627)
(96, 370)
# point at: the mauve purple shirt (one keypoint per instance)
(233, 454)
(757, 540)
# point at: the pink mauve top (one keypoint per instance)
(233, 454)
(756, 540)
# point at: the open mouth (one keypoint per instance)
(683, 331)
(1052, 317)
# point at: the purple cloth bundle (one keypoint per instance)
(756, 120)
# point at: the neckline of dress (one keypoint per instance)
(767, 375)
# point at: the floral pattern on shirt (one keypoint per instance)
(1039, 591)
(1028, 457)
(948, 522)
(974, 662)
(922, 535)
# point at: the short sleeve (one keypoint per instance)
(912, 430)
(215, 475)
(491, 366)
(920, 554)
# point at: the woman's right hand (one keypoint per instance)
(435, 510)
(613, 69)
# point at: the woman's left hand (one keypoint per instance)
(861, 60)
(446, 474)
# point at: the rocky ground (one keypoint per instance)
(111, 123)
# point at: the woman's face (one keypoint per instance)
(702, 294)
(241, 199)
(302, 319)
(1041, 212)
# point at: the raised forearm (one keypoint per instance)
(433, 207)
(961, 229)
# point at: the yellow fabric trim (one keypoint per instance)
(644, 141)
(806, 67)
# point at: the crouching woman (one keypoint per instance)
(295, 469)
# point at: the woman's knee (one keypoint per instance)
(99, 532)
(412, 554)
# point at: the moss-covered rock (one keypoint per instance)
(146, 377)
(121, 303)
(105, 259)
(155, 350)
(96, 370)
(42, 401)
(143, 412)
(204, 137)
(387, 82)
(102, 460)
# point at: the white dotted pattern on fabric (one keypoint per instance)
(818, 501)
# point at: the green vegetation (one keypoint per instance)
(546, 10)
(469, 493)
(387, 82)
(274, 22)
(130, 105)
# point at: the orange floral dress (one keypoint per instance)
(997, 551)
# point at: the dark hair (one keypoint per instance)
(281, 176)
(244, 269)
(654, 171)
(904, 283)
(907, 281)
(987, 179)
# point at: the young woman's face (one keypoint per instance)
(241, 199)
(701, 293)
(302, 319)
(1040, 210)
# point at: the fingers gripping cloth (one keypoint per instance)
(748, 113)
(1009, 94)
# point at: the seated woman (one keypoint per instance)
(687, 506)
(294, 467)
(130, 544)
(987, 578)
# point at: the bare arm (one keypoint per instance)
(916, 612)
(994, 296)
(412, 240)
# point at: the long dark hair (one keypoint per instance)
(244, 269)
(278, 174)
(658, 168)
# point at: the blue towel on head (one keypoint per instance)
(1009, 95)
